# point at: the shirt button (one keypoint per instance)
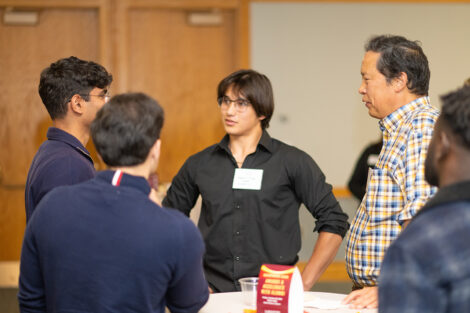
(237, 206)
(237, 233)
(237, 258)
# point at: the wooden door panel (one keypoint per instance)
(25, 51)
(180, 65)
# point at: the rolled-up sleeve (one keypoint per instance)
(317, 195)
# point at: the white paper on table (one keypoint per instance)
(325, 304)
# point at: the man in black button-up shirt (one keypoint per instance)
(252, 187)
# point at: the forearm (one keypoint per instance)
(323, 254)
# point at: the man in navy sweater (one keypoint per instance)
(72, 91)
(103, 245)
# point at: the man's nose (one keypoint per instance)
(231, 109)
(362, 88)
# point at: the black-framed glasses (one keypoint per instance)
(240, 103)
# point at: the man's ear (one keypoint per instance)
(156, 149)
(400, 82)
(443, 146)
(77, 104)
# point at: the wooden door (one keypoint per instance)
(180, 65)
(24, 52)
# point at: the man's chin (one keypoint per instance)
(374, 115)
(431, 179)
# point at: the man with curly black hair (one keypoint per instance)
(426, 269)
(72, 91)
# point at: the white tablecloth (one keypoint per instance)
(232, 302)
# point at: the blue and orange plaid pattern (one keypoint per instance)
(396, 189)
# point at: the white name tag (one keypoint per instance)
(247, 178)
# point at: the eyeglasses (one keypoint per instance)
(106, 96)
(240, 104)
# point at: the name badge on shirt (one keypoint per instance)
(247, 178)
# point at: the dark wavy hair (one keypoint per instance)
(67, 77)
(255, 87)
(126, 128)
(398, 54)
(455, 114)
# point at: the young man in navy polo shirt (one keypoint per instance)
(72, 91)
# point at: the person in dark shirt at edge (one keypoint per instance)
(358, 181)
(426, 269)
(252, 187)
(72, 90)
(103, 245)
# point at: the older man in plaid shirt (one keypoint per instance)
(394, 88)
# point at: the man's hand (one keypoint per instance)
(365, 298)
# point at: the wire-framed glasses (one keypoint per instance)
(240, 103)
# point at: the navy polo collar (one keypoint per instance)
(125, 180)
(57, 134)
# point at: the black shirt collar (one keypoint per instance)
(265, 141)
(136, 182)
(54, 133)
(452, 193)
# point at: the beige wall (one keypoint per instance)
(312, 52)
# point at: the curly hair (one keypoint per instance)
(467, 82)
(456, 113)
(67, 77)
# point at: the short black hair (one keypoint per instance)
(255, 87)
(67, 77)
(126, 128)
(467, 82)
(455, 114)
(398, 54)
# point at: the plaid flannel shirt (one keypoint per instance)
(396, 189)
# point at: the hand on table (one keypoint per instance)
(365, 298)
